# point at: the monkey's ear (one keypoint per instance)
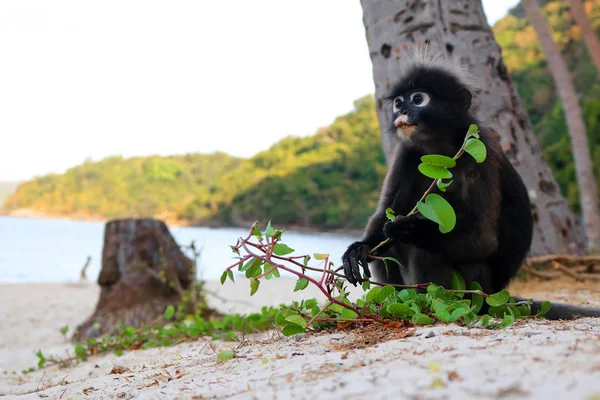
(466, 97)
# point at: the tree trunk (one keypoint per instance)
(579, 140)
(587, 31)
(143, 271)
(459, 30)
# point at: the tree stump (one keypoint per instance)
(143, 271)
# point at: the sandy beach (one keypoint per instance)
(530, 360)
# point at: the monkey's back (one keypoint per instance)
(515, 222)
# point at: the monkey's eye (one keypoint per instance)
(398, 103)
(419, 99)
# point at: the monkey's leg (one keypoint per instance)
(423, 267)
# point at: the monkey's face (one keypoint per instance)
(407, 108)
(430, 108)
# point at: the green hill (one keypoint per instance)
(117, 186)
(6, 189)
(328, 180)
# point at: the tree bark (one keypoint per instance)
(579, 141)
(143, 271)
(587, 31)
(459, 30)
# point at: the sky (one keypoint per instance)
(82, 79)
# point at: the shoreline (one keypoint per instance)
(31, 214)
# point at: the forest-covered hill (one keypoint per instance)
(329, 180)
(6, 189)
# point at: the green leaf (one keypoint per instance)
(437, 209)
(473, 131)
(234, 250)
(498, 311)
(436, 291)
(508, 320)
(230, 275)
(223, 277)
(253, 267)
(64, 329)
(276, 273)
(432, 288)
(476, 149)
(281, 249)
(254, 283)
(80, 352)
(404, 295)
(306, 260)
(366, 285)
(336, 308)
(310, 303)
(498, 299)
(476, 299)
(441, 185)
(225, 355)
(458, 282)
(544, 308)
(439, 160)
(292, 329)
(301, 284)
(422, 319)
(459, 312)
(280, 318)
(348, 314)
(385, 259)
(41, 359)
(169, 312)
(443, 315)
(524, 310)
(256, 231)
(385, 292)
(390, 214)
(514, 311)
(373, 293)
(296, 319)
(269, 231)
(434, 171)
(399, 310)
(485, 320)
(320, 256)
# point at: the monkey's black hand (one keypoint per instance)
(410, 229)
(356, 255)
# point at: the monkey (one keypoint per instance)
(432, 108)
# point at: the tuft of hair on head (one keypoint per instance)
(421, 56)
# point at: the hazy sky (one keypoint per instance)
(85, 79)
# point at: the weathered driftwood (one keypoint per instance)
(579, 268)
(143, 271)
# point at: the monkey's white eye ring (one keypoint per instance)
(419, 99)
(398, 101)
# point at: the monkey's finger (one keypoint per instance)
(364, 260)
(356, 270)
(348, 271)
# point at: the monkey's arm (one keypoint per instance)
(397, 183)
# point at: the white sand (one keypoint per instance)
(533, 360)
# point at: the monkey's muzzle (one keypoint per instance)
(403, 127)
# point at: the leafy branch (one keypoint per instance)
(262, 255)
(436, 166)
